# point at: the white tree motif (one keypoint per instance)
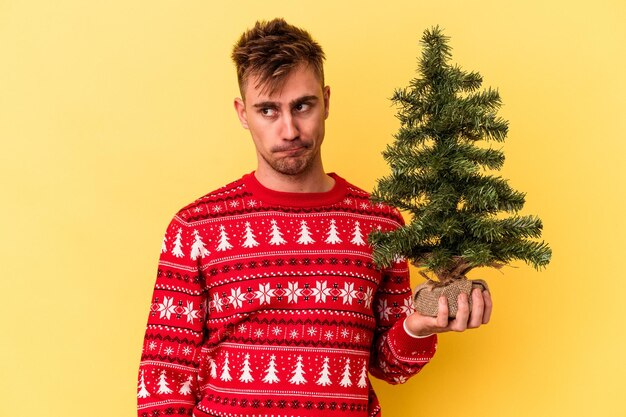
(345, 381)
(298, 373)
(163, 245)
(324, 379)
(305, 236)
(250, 242)
(246, 376)
(363, 378)
(226, 370)
(357, 235)
(186, 387)
(143, 392)
(224, 243)
(212, 368)
(270, 376)
(163, 388)
(332, 236)
(198, 249)
(277, 236)
(177, 250)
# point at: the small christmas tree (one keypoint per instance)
(436, 177)
(143, 392)
(246, 375)
(324, 379)
(298, 373)
(270, 373)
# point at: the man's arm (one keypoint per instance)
(396, 354)
(170, 358)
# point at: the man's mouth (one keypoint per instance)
(291, 151)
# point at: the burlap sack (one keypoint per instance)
(426, 296)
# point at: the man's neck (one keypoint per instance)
(315, 181)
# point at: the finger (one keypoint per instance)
(478, 306)
(459, 324)
(442, 312)
(488, 306)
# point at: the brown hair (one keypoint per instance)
(271, 50)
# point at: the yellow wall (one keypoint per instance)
(114, 114)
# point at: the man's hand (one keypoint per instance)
(481, 312)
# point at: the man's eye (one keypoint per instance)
(302, 107)
(267, 111)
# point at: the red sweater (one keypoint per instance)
(268, 303)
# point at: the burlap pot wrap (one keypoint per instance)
(426, 296)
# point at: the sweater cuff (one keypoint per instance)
(413, 334)
(409, 348)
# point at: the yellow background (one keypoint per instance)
(115, 114)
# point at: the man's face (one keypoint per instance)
(287, 127)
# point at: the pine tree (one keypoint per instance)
(363, 377)
(163, 387)
(298, 373)
(177, 250)
(143, 392)
(250, 241)
(163, 245)
(225, 376)
(277, 236)
(224, 243)
(324, 379)
(270, 373)
(345, 380)
(186, 387)
(436, 176)
(198, 249)
(357, 235)
(246, 376)
(305, 236)
(332, 237)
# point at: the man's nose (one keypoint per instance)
(290, 128)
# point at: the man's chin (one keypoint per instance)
(291, 167)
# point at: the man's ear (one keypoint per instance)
(240, 108)
(326, 101)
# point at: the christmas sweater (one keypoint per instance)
(268, 303)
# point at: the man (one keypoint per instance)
(267, 301)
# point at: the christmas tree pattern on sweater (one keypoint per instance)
(267, 304)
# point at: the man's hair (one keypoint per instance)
(271, 50)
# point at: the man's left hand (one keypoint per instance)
(421, 325)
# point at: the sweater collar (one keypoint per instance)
(282, 198)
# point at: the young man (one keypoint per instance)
(266, 301)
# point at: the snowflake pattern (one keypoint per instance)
(166, 308)
(347, 294)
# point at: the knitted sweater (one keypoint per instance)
(268, 303)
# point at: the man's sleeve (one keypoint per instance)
(396, 355)
(170, 359)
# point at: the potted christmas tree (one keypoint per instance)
(439, 175)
